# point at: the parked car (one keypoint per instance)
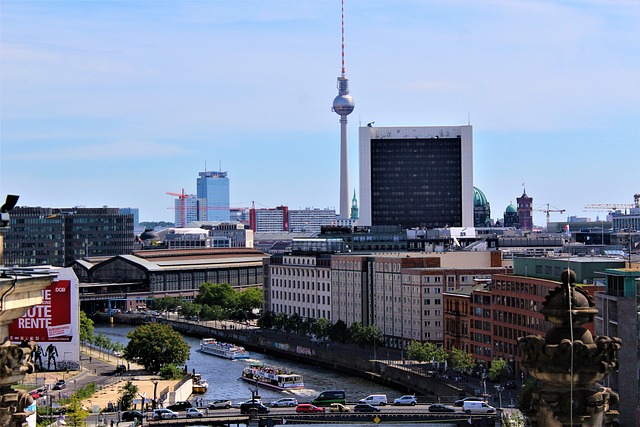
(375, 399)
(365, 407)
(245, 408)
(60, 385)
(339, 407)
(439, 407)
(407, 399)
(121, 369)
(220, 404)
(309, 408)
(132, 416)
(194, 413)
(181, 405)
(161, 414)
(285, 401)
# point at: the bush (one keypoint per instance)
(170, 372)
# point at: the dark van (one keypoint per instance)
(327, 397)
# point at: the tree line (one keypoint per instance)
(214, 302)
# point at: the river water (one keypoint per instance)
(224, 380)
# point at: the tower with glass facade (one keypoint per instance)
(213, 189)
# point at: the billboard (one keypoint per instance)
(53, 324)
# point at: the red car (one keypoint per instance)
(309, 408)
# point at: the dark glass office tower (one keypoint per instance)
(416, 177)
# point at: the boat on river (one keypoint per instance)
(223, 349)
(200, 385)
(268, 376)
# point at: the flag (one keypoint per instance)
(567, 231)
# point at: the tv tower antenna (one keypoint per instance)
(343, 105)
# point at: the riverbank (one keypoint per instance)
(99, 368)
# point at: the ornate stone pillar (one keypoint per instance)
(568, 362)
(18, 292)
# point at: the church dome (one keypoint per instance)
(149, 234)
(479, 199)
(511, 209)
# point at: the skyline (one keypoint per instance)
(117, 103)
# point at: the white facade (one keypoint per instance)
(269, 220)
(300, 285)
(423, 132)
(305, 220)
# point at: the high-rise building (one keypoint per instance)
(213, 188)
(59, 236)
(416, 176)
(187, 209)
(343, 105)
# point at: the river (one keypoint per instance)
(224, 380)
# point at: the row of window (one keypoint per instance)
(297, 284)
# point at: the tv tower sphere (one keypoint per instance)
(343, 103)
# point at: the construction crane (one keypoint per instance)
(608, 206)
(549, 210)
(182, 196)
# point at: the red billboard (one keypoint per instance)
(49, 321)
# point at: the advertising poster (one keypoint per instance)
(53, 325)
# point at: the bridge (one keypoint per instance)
(457, 419)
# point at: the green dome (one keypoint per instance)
(479, 199)
(511, 209)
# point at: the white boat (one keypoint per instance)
(200, 385)
(223, 349)
(268, 376)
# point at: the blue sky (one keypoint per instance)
(115, 103)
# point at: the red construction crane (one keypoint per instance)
(182, 198)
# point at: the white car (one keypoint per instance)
(407, 399)
(285, 401)
(160, 414)
(194, 413)
(220, 404)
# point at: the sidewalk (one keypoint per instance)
(99, 368)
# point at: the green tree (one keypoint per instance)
(280, 320)
(75, 415)
(190, 309)
(338, 332)
(86, 328)
(155, 345)
(417, 351)
(498, 370)
(128, 392)
(293, 323)
(221, 295)
(461, 360)
(170, 372)
(250, 299)
(320, 328)
(266, 321)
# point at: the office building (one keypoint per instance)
(59, 236)
(304, 220)
(416, 177)
(618, 317)
(213, 189)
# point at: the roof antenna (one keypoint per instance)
(220, 165)
(469, 118)
(205, 165)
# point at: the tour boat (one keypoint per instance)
(200, 385)
(223, 349)
(268, 376)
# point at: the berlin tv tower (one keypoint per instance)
(343, 106)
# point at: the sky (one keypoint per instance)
(116, 103)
